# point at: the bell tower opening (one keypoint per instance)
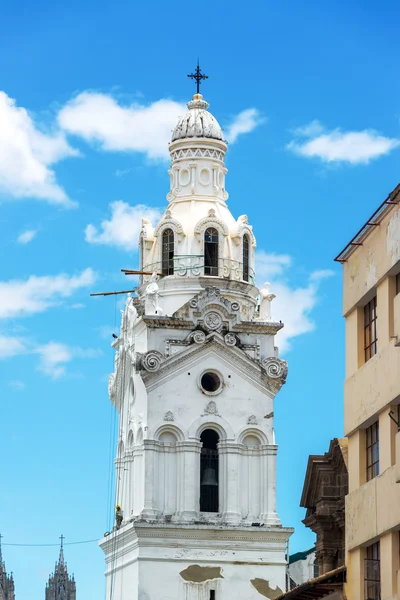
(209, 500)
(246, 253)
(211, 252)
(168, 243)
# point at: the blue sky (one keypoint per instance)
(306, 92)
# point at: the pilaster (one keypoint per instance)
(229, 453)
(189, 481)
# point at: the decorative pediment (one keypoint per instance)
(210, 311)
(235, 357)
(210, 221)
(169, 222)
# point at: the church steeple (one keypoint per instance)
(60, 585)
(7, 591)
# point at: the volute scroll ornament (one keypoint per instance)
(199, 337)
(151, 361)
(276, 368)
(230, 339)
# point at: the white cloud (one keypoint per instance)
(16, 385)
(22, 297)
(270, 265)
(54, 357)
(26, 156)
(99, 118)
(123, 228)
(11, 346)
(122, 172)
(26, 236)
(244, 122)
(292, 305)
(354, 147)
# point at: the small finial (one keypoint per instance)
(1, 559)
(198, 76)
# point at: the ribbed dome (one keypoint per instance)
(197, 122)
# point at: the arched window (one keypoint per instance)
(209, 501)
(246, 246)
(167, 259)
(211, 252)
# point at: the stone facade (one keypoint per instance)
(302, 567)
(7, 589)
(60, 585)
(324, 491)
(371, 306)
(196, 374)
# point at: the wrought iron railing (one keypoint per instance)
(372, 579)
(192, 265)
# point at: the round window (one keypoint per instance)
(211, 382)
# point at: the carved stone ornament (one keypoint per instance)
(199, 337)
(152, 360)
(213, 320)
(252, 420)
(111, 386)
(275, 368)
(169, 416)
(230, 339)
(235, 306)
(211, 408)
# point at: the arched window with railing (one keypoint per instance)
(246, 257)
(211, 251)
(167, 258)
(209, 472)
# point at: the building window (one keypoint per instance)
(397, 283)
(316, 568)
(370, 337)
(246, 246)
(212, 594)
(372, 438)
(167, 259)
(372, 573)
(211, 252)
(209, 476)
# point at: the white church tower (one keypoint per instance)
(196, 373)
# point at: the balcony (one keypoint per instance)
(192, 265)
(373, 509)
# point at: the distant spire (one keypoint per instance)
(1, 556)
(61, 558)
(198, 76)
(60, 586)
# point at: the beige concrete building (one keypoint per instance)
(371, 306)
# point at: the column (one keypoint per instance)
(189, 480)
(150, 469)
(228, 453)
(269, 456)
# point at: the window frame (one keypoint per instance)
(397, 279)
(167, 262)
(246, 257)
(372, 572)
(372, 450)
(209, 269)
(370, 329)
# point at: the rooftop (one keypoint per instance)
(374, 221)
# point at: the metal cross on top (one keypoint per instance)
(198, 76)
(62, 538)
